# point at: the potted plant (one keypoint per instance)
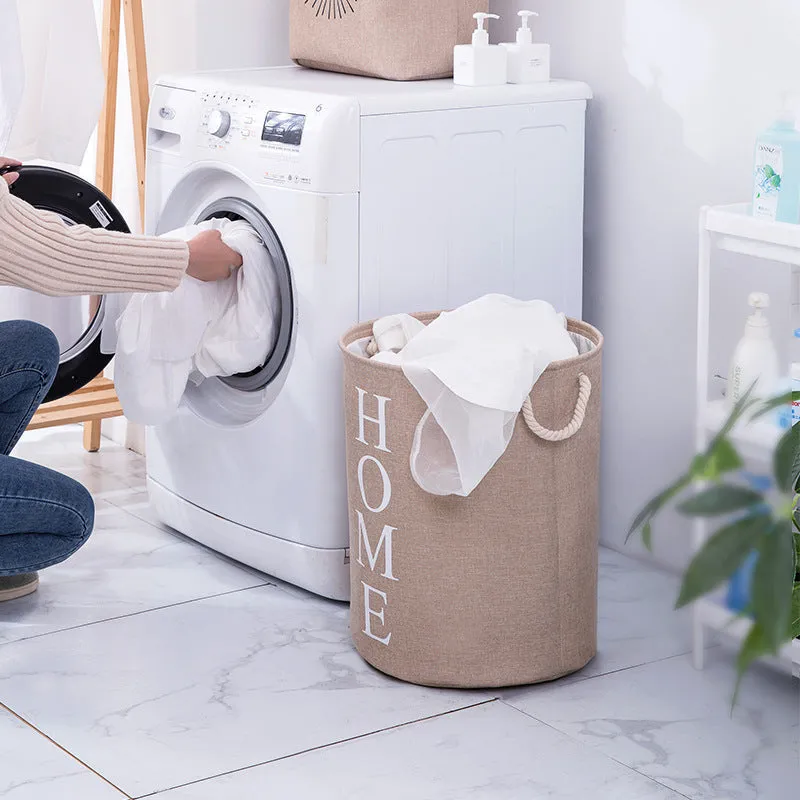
(751, 525)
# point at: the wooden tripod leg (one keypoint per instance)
(106, 132)
(140, 88)
(106, 138)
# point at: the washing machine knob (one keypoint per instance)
(219, 123)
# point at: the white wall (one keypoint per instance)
(682, 89)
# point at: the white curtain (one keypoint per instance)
(51, 93)
(64, 80)
(12, 72)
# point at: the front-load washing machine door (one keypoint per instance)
(76, 321)
(240, 399)
(235, 208)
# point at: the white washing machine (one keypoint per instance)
(373, 198)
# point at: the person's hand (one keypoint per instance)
(10, 177)
(210, 259)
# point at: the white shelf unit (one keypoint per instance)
(733, 229)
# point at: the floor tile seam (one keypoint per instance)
(124, 795)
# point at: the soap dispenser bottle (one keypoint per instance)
(755, 361)
(480, 63)
(527, 62)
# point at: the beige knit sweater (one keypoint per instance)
(38, 251)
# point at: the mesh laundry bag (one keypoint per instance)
(400, 40)
(495, 589)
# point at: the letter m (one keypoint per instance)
(384, 543)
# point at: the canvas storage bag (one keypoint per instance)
(495, 589)
(402, 40)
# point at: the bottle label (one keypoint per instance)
(769, 173)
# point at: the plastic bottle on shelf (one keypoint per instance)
(738, 596)
(776, 191)
(755, 360)
(795, 376)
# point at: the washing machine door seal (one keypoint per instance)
(77, 203)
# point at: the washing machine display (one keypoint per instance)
(283, 127)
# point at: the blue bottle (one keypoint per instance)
(738, 595)
(776, 194)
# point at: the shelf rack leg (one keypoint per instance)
(701, 435)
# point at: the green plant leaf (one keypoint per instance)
(786, 461)
(754, 647)
(721, 556)
(718, 500)
(773, 403)
(647, 536)
(719, 460)
(773, 582)
(794, 626)
(742, 406)
(657, 503)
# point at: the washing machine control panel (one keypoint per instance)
(272, 135)
(225, 116)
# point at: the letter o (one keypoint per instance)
(387, 485)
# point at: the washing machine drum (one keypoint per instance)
(234, 208)
(76, 321)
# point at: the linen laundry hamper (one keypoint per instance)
(495, 589)
(400, 40)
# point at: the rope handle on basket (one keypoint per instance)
(584, 393)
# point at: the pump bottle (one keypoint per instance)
(527, 62)
(480, 63)
(755, 361)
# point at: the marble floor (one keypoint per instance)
(149, 666)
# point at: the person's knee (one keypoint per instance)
(81, 502)
(46, 348)
(31, 344)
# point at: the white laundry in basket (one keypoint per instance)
(474, 367)
(201, 330)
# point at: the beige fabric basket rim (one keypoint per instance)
(364, 330)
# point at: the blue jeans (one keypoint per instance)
(44, 516)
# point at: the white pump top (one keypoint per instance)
(481, 36)
(758, 301)
(525, 34)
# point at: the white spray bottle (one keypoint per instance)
(755, 360)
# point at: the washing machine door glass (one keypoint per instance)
(261, 378)
(76, 321)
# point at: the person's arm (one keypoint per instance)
(38, 251)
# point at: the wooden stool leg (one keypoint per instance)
(91, 435)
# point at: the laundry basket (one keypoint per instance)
(495, 589)
(400, 40)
